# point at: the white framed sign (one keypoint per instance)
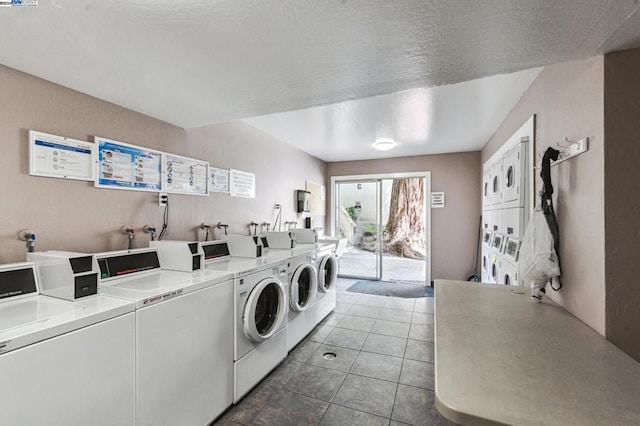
(183, 175)
(219, 180)
(242, 184)
(60, 157)
(437, 200)
(123, 166)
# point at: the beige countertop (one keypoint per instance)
(503, 358)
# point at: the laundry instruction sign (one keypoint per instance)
(242, 184)
(437, 200)
(9, 3)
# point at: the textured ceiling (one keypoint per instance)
(452, 118)
(197, 62)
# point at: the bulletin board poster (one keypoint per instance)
(123, 166)
(242, 184)
(219, 181)
(60, 157)
(183, 175)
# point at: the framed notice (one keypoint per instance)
(219, 180)
(123, 166)
(242, 184)
(60, 157)
(437, 200)
(318, 197)
(183, 175)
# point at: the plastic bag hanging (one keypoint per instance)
(539, 260)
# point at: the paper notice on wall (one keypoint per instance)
(125, 166)
(185, 175)
(218, 180)
(242, 184)
(60, 157)
(437, 200)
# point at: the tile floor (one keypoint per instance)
(382, 374)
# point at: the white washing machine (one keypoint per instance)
(184, 336)
(327, 266)
(63, 362)
(302, 286)
(260, 313)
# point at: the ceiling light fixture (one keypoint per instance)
(384, 144)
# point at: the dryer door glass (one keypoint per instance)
(510, 177)
(304, 287)
(267, 309)
(328, 273)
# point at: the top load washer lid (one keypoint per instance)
(157, 286)
(33, 310)
(30, 320)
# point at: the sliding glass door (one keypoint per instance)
(357, 219)
(386, 223)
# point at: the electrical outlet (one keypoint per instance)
(163, 199)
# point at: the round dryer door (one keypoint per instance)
(265, 310)
(304, 287)
(327, 273)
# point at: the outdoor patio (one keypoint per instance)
(360, 263)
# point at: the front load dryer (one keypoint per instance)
(63, 362)
(184, 336)
(260, 314)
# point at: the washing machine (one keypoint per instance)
(302, 289)
(184, 336)
(327, 266)
(64, 362)
(260, 306)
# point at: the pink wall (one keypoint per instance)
(567, 99)
(622, 197)
(73, 215)
(455, 228)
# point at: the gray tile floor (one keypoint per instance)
(382, 374)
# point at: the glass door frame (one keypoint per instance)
(334, 205)
(378, 251)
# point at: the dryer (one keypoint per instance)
(184, 336)
(260, 307)
(515, 177)
(486, 263)
(64, 362)
(509, 262)
(508, 273)
(496, 185)
(486, 189)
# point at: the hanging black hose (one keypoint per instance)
(546, 202)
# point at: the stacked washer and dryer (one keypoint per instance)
(505, 211)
